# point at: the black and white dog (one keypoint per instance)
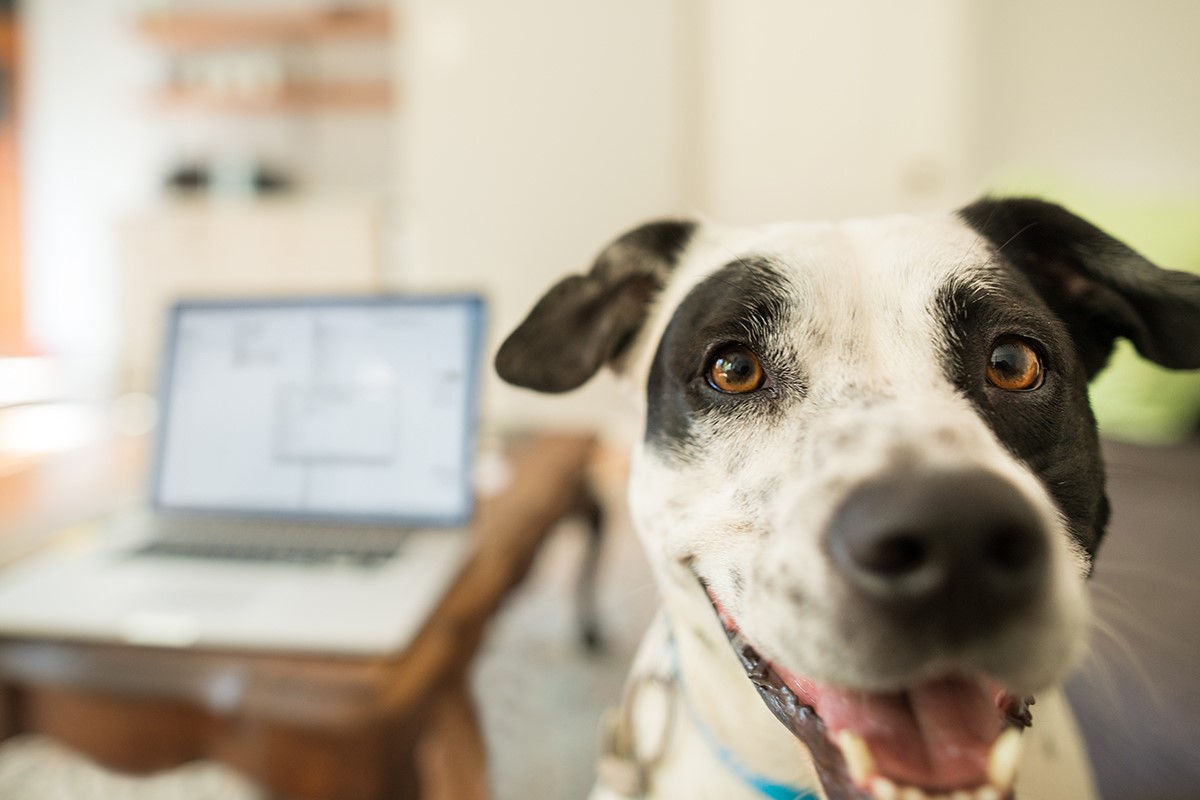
(870, 488)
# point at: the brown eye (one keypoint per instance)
(735, 369)
(1014, 366)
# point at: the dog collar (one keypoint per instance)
(759, 783)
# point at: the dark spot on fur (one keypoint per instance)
(946, 436)
(753, 499)
(736, 461)
(738, 580)
(836, 485)
(903, 458)
(817, 336)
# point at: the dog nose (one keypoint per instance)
(963, 548)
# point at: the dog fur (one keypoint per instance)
(874, 336)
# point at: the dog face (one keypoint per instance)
(869, 454)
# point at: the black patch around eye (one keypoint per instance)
(738, 303)
(1052, 430)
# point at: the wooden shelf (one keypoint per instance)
(197, 30)
(360, 96)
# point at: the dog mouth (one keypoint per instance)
(956, 737)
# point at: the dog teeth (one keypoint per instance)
(883, 789)
(1001, 770)
(859, 761)
(1002, 760)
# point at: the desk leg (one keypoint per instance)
(292, 763)
(585, 593)
(10, 723)
(453, 757)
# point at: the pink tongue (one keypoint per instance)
(935, 735)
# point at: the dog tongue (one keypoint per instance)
(935, 735)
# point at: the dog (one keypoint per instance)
(870, 489)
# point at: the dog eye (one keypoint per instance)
(1014, 366)
(734, 369)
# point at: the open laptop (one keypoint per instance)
(311, 485)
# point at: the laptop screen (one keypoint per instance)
(357, 408)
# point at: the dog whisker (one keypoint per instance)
(1116, 610)
(1150, 572)
(1124, 648)
(1013, 238)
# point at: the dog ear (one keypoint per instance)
(1098, 286)
(587, 321)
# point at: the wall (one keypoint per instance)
(814, 109)
(533, 132)
(87, 155)
(1102, 91)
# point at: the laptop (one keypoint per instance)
(311, 486)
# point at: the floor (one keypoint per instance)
(540, 692)
(32, 768)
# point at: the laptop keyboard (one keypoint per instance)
(277, 543)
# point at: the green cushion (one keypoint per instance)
(1135, 400)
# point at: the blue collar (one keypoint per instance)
(759, 783)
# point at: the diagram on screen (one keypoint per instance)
(338, 423)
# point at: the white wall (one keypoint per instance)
(826, 109)
(815, 109)
(1103, 91)
(87, 155)
(532, 132)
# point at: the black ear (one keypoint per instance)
(587, 321)
(1098, 286)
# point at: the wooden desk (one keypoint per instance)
(317, 728)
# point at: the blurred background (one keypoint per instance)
(152, 149)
